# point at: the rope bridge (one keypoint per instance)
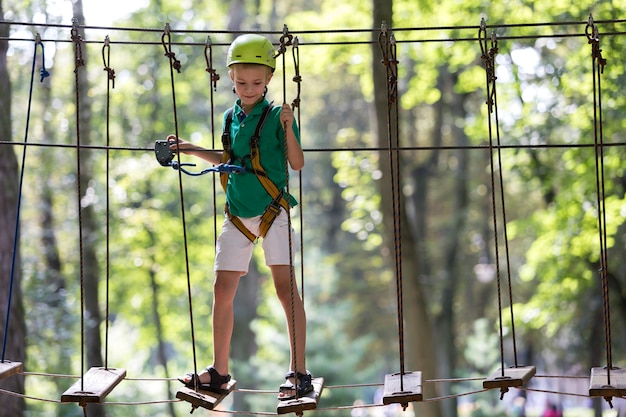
(404, 386)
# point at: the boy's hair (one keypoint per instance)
(244, 65)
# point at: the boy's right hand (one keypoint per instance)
(188, 148)
(181, 146)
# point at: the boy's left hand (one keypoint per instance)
(286, 115)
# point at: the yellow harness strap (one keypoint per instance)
(278, 197)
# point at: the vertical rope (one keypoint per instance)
(214, 77)
(286, 40)
(494, 49)
(488, 55)
(106, 58)
(387, 44)
(295, 104)
(43, 74)
(598, 64)
(79, 62)
(166, 40)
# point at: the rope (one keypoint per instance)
(166, 39)
(343, 148)
(488, 56)
(43, 74)
(295, 104)
(167, 46)
(79, 62)
(598, 64)
(106, 58)
(553, 392)
(318, 410)
(319, 31)
(152, 402)
(28, 397)
(341, 386)
(287, 40)
(387, 44)
(214, 77)
(263, 392)
(342, 31)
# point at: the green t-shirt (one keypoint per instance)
(245, 195)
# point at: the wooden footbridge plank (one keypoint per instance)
(94, 386)
(403, 388)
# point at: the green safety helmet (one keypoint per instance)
(251, 49)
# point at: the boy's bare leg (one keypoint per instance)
(294, 314)
(224, 290)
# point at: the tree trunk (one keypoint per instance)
(90, 269)
(161, 346)
(244, 344)
(597, 356)
(55, 283)
(236, 15)
(418, 348)
(14, 338)
(445, 321)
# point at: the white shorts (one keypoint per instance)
(234, 250)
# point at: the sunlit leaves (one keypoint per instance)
(355, 172)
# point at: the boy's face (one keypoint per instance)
(249, 82)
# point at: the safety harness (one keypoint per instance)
(279, 199)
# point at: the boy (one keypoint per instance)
(251, 62)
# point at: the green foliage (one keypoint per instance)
(545, 99)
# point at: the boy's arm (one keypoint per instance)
(295, 155)
(211, 156)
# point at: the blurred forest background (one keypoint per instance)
(455, 267)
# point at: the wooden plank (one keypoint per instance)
(8, 368)
(304, 403)
(94, 386)
(607, 384)
(204, 399)
(402, 388)
(513, 377)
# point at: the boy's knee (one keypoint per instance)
(226, 283)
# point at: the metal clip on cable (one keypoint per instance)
(106, 57)
(43, 73)
(77, 40)
(208, 57)
(165, 157)
(167, 47)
